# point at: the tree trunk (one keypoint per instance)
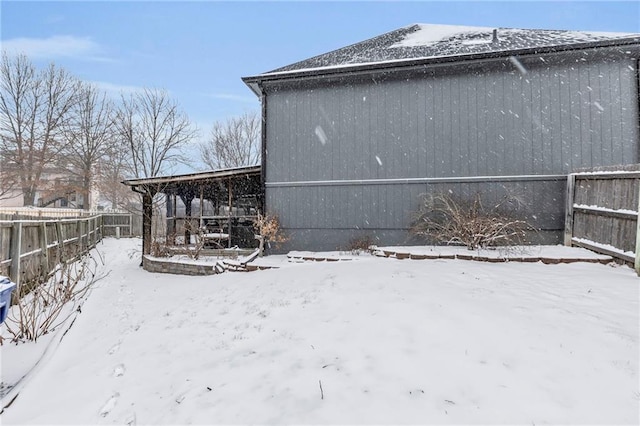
(147, 216)
(187, 212)
(187, 198)
(28, 196)
(86, 192)
(171, 230)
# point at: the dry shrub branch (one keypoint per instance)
(450, 220)
(268, 231)
(51, 302)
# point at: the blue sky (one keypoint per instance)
(198, 51)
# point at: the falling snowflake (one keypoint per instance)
(322, 136)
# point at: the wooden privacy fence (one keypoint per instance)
(32, 248)
(602, 213)
(121, 225)
(16, 213)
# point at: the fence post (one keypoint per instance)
(100, 227)
(92, 233)
(637, 253)
(15, 251)
(569, 201)
(60, 241)
(44, 258)
(88, 230)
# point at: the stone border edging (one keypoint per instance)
(478, 258)
(167, 266)
(181, 268)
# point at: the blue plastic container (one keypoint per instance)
(6, 287)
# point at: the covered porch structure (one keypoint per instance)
(220, 205)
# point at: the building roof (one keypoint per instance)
(429, 42)
(195, 177)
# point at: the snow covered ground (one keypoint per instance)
(373, 340)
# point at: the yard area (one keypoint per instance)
(371, 340)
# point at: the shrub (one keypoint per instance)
(268, 231)
(360, 244)
(52, 301)
(159, 249)
(450, 220)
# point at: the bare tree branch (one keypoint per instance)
(34, 108)
(233, 143)
(114, 167)
(154, 129)
(89, 135)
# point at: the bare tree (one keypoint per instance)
(9, 179)
(155, 130)
(112, 169)
(89, 134)
(233, 143)
(34, 108)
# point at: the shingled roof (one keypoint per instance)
(437, 42)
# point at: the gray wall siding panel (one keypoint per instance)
(389, 206)
(550, 120)
(487, 121)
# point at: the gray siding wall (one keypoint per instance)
(337, 153)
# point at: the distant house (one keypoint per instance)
(56, 188)
(352, 137)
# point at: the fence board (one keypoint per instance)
(602, 212)
(32, 248)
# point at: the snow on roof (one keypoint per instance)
(211, 174)
(431, 41)
(429, 34)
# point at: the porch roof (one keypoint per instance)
(176, 183)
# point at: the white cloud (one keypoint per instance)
(117, 89)
(55, 47)
(232, 97)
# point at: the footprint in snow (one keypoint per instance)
(119, 370)
(109, 405)
(131, 420)
(114, 348)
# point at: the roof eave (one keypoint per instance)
(198, 176)
(254, 85)
(381, 66)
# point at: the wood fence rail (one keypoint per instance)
(16, 213)
(32, 248)
(602, 212)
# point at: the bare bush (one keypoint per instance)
(194, 251)
(358, 245)
(268, 231)
(50, 303)
(450, 220)
(159, 248)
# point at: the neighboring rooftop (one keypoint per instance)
(429, 41)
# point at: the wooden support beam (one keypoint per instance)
(201, 204)
(170, 219)
(568, 218)
(637, 253)
(229, 212)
